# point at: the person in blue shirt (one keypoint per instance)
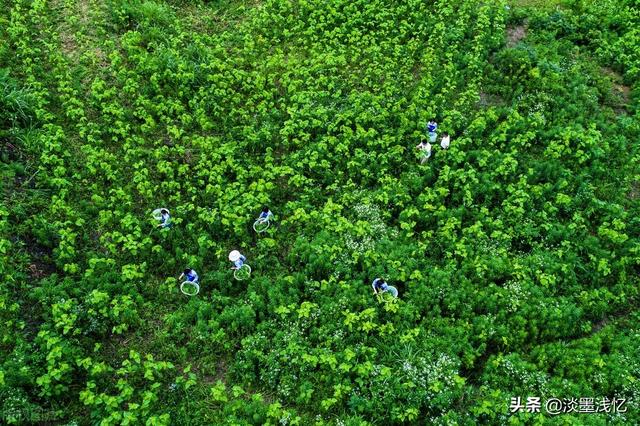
(190, 275)
(265, 214)
(165, 219)
(237, 259)
(380, 286)
(432, 128)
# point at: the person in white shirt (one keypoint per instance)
(425, 151)
(237, 259)
(444, 142)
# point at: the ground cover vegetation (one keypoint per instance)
(515, 252)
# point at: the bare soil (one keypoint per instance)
(516, 34)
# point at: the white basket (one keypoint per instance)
(157, 213)
(261, 225)
(244, 267)
(187, 284)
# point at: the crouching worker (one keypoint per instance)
(445, 141)
(380, 286)
(262, 222)
(190, 275)
(265, 214)
(432, 128)
(424, 148)
(190, 287)
(237, 259)
(165, 219)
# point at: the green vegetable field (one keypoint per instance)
(515, 251)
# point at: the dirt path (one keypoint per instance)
(516, 34)
(621, 93)
(79, 25)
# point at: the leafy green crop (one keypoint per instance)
(516, 252)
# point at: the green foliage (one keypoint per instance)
(16, 103)
(515, 251)
(135, 395)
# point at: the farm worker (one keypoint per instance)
(237, 259)
(265, 214)
(444, 143)
(432, 126)
(425, 151)
(380, 286)
(190, 274)
(165, 219)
